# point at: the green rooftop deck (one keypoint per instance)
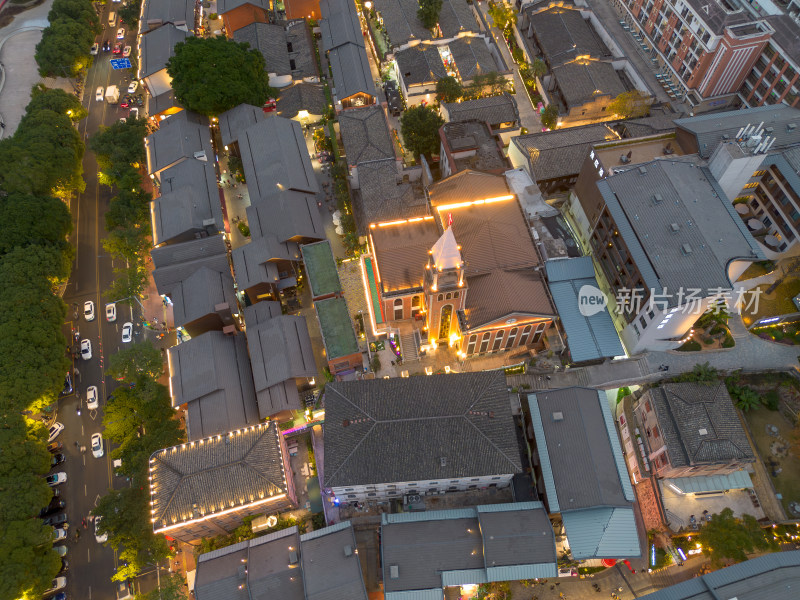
(321, 269)
(337, 328)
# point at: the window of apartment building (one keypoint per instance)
(473, 487)
(523, 339)
(636, 330)
(485, 342)
(473, 340)
(511, 337)
(476, 479)
(495, 478)
(351, 495)
(372, 494)
(398, 309)
(349, 489)
(454, 481)
(794, 215)
(498, 340)
(416, 305)
(456, 294)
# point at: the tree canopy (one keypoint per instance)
(63, 50)
(632, 104)
(549, 116)
(428, 12)
(119, 146)
(503, 15)
(34, 220)
(56, 100)
(419, 126)
(448, 89)
(212, 75)
(727, 537)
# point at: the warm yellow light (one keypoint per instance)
(474, 203)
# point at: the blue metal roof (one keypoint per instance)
(433, 594)
(508, 507)
(616, 448)
(325, 531)
(602, 532)
(517, 572)
(589, 338)
(544, 455)
(711, 483)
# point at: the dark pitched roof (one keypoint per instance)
(179, 137)
(383, 196)
(340, 24)
(199, 293)
(467, 184)
(401, 22)
(505, 292)
(174, 263)
(211, 373)
(563, 34)
(573, 436)
(288, 215)
(699, 424)
(302, 96)
(233, 122)
(280, 352)
(420, 64)
(402, 252)
(180, 13)
(491, 109)
(157, 47)
(256, 262)
(351, 72)
(231, 470)
(456, 17)
(560, 153)
(472, 57)
(224, 6)
(365, 135)
(582, 81)
(417, 428)
(644, 126)
(476, 135)
(273, 41)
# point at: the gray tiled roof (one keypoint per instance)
(786, 36)
(563, 34)
(226, 470)
(275, 158)
(709, 130)
(233, 122)
(420, 64)
(577, 443)
(351, 72)
(718, 15)
(302, 96)
(710, 229)
(644, 126)
(180, 13)
(464, 135)
(560, 153)
(174, 263)
(179, 136)
(273, 41)
(340, 24)
(199, 293)
(365, 135)
(330, 572)
(183, 212)
(515, 537)
(491, 109)
(472, 57)
(583, 81)
(211, 373)
(162, 103)
(157, 47)
(383, 197)
(401, 22)
(684, 410)
(280, 352)
(256, 261)
(456, 17)
(409, 429)
(289, 216)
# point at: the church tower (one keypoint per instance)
(445, 289)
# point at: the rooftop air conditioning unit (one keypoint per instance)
(558, 416)
(686, 249)
(394, 572)
(348, 551)
(201, 155)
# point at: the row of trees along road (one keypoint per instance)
(64, 48)
(41, 167)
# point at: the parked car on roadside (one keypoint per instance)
(88, 310)
(56, 520)
(97, 445)
(127, 332)
(92, 397)
(56, 479)
(54, 431)
(57, 459)
(56, 504)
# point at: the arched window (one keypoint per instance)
(511, 337)
(444, 322)
(485, 342)
(537, 335)
(456, 294)
(523, 339)
(416, 305)
(473, 340)
(440, 297)
(448, 296)
(398, 309)
(498, 340)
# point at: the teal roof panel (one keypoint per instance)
(544, 455)
(616, 448)
(602, 532)
(711, 483)
(464, 577)
(518, 572)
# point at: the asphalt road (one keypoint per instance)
(91, 564)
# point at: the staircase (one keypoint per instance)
(409, 345)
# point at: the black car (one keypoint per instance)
(56, 504)
(67, 386)
(106, 46)
(57, 459)
(56, 520)
(64, 566)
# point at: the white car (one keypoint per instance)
(121, 33)
(86, 350)
(111, 312)
(97, 445)
(59, 535)
(97, 535)
(91, 397)
(59, 583)
(133, 87)
(126, 52)
(55, 430)
(98, 95)
(56, 479)
(88, 310)
(95, 49)
(127, 332)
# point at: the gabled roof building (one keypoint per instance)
(205, 487)
(286, 48)
(182, 136)
(180, 13)
(156, 47)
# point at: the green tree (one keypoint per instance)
(56, 100)
(631, 104)
(727, 537)
(142, 359)
(700, 373)
(80, 11)
(428, 12)
(118, 148)
(550, 116)
(448, 89)
(538, 68)
(130, 282)
(63, 50)
(419, 126)
(34, 220)
(129, 209)
(172, 588)
(503, 15)
(27, 561)
(129, 243)
(496, 83)
(212, 75)
(130, 11)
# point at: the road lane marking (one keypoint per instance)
(88, 555)
(96, 500)
(85, 492)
